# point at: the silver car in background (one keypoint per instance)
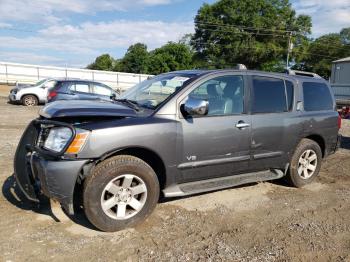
(31, 95)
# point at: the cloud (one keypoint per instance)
(91, 39)
(5, 25)
(327, 16)
(21, 57)
(52, 11)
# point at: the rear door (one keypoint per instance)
(275, 127)
(215, 145)
(81, 90)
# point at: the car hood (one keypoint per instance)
(22, 86)
(86, 108)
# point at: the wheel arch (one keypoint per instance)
(149, 156)
(29, 94)
(320, 141)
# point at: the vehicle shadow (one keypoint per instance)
(14, 195)
(345, 142)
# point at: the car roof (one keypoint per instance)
(77, 80)
(201, 72)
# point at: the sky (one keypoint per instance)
(73, 33)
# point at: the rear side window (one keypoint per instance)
(102, 90)
(50, 84)
(317, 97)
(84, 88)
(269, 95)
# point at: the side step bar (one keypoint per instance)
(221, 183)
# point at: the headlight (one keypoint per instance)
(58, 138)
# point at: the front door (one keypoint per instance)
(217, 144)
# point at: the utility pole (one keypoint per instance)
(290, 47)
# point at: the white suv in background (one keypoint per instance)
(31, 95)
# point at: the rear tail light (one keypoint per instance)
(51, 95)
(339, 121)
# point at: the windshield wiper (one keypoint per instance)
(132, 104)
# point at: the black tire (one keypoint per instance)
(102, 175)
(293, 176)
(30, 100)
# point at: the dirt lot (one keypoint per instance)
(259, 222)
(5, 90)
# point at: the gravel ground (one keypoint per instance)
(259, 222)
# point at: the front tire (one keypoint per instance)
(305, 164)
(121, 192)
(30, 100)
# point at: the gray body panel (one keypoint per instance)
(201, 148)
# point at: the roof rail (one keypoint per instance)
(302, 73)
(241, 67)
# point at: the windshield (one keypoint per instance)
(152, 92)
(41, 82)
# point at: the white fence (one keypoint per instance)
(11, 73)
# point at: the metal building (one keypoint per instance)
(340, 80)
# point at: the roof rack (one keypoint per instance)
(302, 73)
(241, 67)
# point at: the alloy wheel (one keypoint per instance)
(307, 164)
(29, 101)
(124, 197)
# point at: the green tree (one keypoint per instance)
(320, 53)
(102, 62)
(170, 57)
(136, 60)
(252, 32)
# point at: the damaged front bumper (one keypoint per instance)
(38, 174)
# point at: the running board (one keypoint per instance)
(221, 183)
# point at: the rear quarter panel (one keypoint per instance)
(323, 123)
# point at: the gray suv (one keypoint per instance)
(177, 134)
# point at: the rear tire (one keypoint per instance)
(121, 192)
(305, 164)
(30, 100)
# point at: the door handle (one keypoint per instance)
(241, 125)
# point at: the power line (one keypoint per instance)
(267, 34)
(245, 27)
(225, 26)
(278, 50)
(244, 33)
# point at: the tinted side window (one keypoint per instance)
(102, 90)
(269, 95)
(84, 88)
(50, 84)
(224, 94)
(290, 94)
(317, 97)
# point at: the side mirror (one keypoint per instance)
(196, 107)
(113, 96)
